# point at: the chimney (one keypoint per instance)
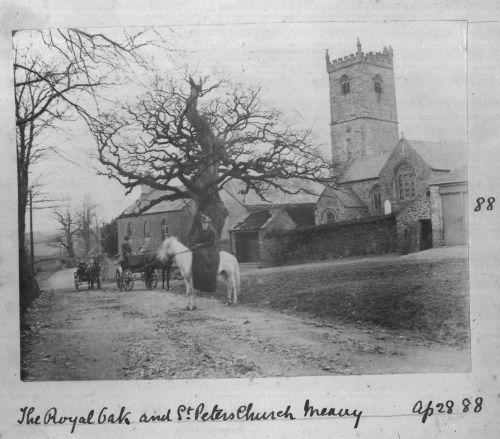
(144, 187)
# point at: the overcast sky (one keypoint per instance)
(288, 62)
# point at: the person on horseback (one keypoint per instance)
(205, 255)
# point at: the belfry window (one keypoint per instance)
(377, 83)
(375, 201)
(344, 85)
(405, 182)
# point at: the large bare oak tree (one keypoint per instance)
(187, 139)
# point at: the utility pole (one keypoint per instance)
(32, 245)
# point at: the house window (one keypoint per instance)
(344, 85)
(164, 229)
(405, 182)
(328, 217)
(130, 230)
(375, 201)
(147, 232)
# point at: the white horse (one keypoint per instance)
(228, 269)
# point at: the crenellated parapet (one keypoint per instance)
(382, 59)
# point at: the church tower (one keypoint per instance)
(362, 104)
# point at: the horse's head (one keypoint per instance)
(167, 250)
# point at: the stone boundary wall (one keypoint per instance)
(350, 238)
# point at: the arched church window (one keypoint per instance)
(164, 229)
(130, 230)
(328, 217)
(375, 200)
(147, 232)
(377, 82)
(405, 182)
(344, 85)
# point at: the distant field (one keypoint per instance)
(428, 297)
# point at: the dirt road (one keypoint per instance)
(106, 334)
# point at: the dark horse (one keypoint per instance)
(147, 263)
(89, 272)
(166, 268)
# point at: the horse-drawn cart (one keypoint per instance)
(140, 266)
(90, 272)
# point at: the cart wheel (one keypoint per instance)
(150, 279)
(127, 280)
(119, 282)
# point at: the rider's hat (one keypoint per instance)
(204, 218)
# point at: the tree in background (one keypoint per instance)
(188, 139)
(85, 220)
(109, 238)
(68, 230)
(61, 74)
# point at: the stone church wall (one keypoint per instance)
(350, 238)
(423, 173)
(408, 223)
(363, 121)
(362, 189)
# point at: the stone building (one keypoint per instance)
(383, 173)
(415, 181)
(249, 220)
(362, 104)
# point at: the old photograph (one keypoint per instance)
(242, 201)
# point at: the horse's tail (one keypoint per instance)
(237, 280)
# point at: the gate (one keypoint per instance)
(454, 217)
(247, 246)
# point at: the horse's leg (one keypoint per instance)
(225, 278)
(188, 294)
(229, 286)
(168, 268)
(194, 297)
(230, 289)
(163, 277)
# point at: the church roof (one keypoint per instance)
(163, 206)
(365, 168)
(441, 155)
(346, 196)
(438, 155)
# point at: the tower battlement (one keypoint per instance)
(362, 104)
(383, 59)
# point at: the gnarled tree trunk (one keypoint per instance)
(206, 197)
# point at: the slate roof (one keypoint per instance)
(163, 206)
(455, 176)
(365, 168)
(302, 214)
(441, 155)
(346, 196)
(254, 220)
